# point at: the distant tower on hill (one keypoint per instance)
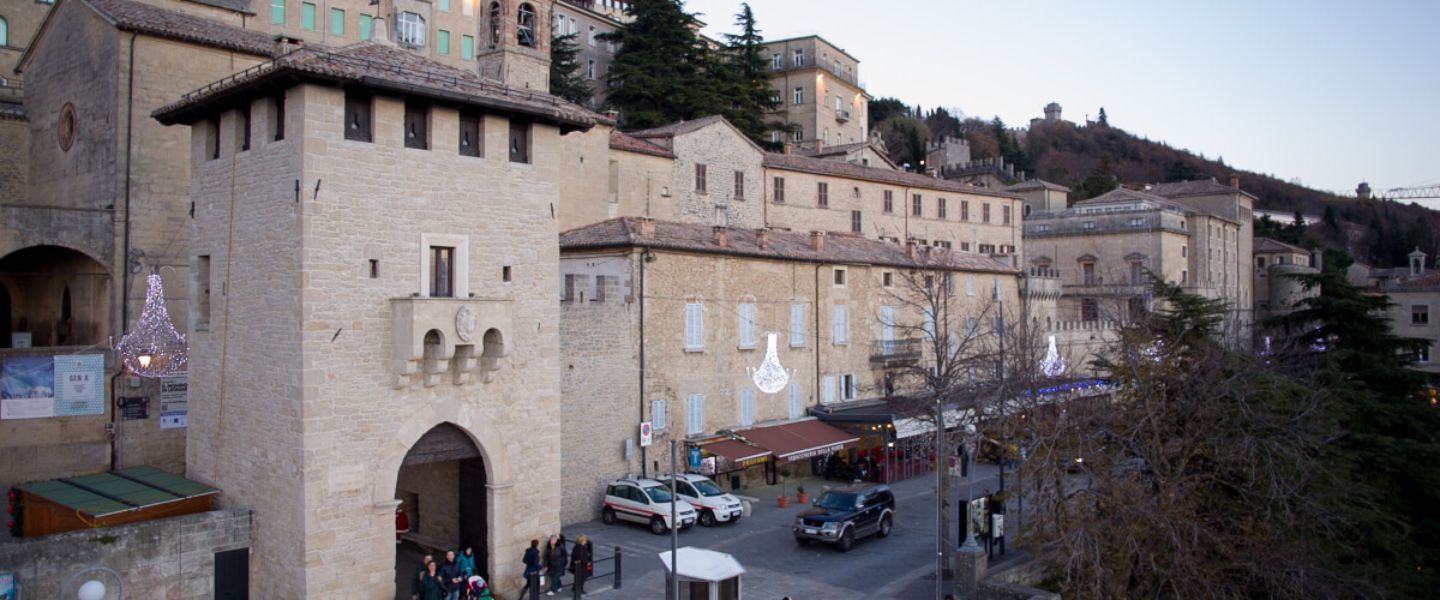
(1052, 111)
(1362, 191)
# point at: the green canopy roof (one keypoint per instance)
(104, 494)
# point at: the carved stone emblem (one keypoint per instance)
(465, 321)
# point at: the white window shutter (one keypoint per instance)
(887, 324)
(747, 406)
(797, 324)
(841, 333)
(695, 414)
(694, 325)
(827, 387)
(851, 393)
(657, 415)
(746, 325)
(795, 403)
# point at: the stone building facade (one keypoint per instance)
(1414, 291)
(661, 319)
(823, 102)
(1276, 290)
(380, 252)
(587, 20)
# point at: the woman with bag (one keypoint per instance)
(532, 564)
(556, 559)
(581, 561)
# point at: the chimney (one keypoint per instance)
(762, 237)
(613, 115)
(285, 44)
(817, 241)
(647, 227)
(1234, 181)
(379, 33)
(720, 236)
(912, 249)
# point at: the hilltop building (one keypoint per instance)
(1276, 290)
(1414, 290)
(823, 102)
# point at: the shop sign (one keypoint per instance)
(174, 402)
(750, 462)
(694, 458)
(814, 452)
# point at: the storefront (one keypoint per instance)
(889, 447)
(734, 463)
(802, 445)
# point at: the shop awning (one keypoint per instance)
(799, 440)
(910, 426)
(735, 450)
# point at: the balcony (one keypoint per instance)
(790, 64)
(895, 353)
(448, 338)
(842, 115)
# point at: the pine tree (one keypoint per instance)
(565, 78)
(748, 80)
(1104, 120)
(662, 72)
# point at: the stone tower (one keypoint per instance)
(1052, 111)
(515, 43)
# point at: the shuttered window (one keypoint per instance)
(695, 414)
(747, 406)
(827, 389)
(796, 405)
(694, 325)
(747, 324)
(887, 326)
(841, 325)
(657, 415)
(797, 324)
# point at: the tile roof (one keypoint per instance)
(623, 141)
(834, 150)
(678, 128)
(1427, 280)
(128, 15)
(1036, 184)
(1202, 187)
(1121, 195)
(819, 166)
(841, 248)
(382, 66)
(1264, 244)
(240, 6)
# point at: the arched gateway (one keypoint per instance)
(441, 486)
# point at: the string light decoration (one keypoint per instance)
(771, 377)
(153, 348)
(1053, 365)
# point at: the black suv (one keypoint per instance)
(841, 516)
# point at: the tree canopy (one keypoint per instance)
(663, 72)
(565, 78)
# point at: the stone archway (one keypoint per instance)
(442, 487)
(60, 296)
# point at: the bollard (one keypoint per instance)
(617, 567)
(532, 583)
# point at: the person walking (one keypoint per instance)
(582, 561)
(532, 564)
(556, 559)
(429, 585)
(467, 562)
(450, 574)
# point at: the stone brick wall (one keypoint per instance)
(599, 183)
(14, 159)
(164, 558)
(723, 150)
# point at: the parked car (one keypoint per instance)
(714, 504)
(645, 501)
(842, 516)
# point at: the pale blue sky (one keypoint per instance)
(1327, 92)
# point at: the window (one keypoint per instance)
(1008, 211)
(1087, 273)
(366, 22)
(242, 127)
(775, 135)
(1184, 277)
(467, 7)
(412, 29)
(827, 387)
(887, 328)
(277, 12)
(985, 212)
(746, 323)
(592, 36)
(1088, 225)
(887, 279)
(442, 42)
(855, 221)
(747, 406)
(212, 138)
(797, 324)
(1137, 222)
(1184, 251)
(822, 194)
(964, 210)
(694, 325)
(739, 185)
(799, 58)
(929, 323)
(657, 415)
(494, 24)
(796, 405)
(798, 135)
(969, 285)
(442, 272)
(307, 15)
(1420, 314)
(519, 141)
(467, 47)
(779, 189)
(916, 205)
(695, 414)
(202, 293)
(337, 21)
(839, 276)
(470, 140)
(525, 26)
(889, 206)
(841, 325)
(1089, 309)
(590, 68)
(277, 117)
(699, 178)
(505, 276)
(1137, 272)
(985, 248)
(1422, 354)
(837, 103)
(940, 208)
(848, 387)
(776, 62)
(417, 121)
(799, 96)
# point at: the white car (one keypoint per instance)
(714, 504)
(645, 501)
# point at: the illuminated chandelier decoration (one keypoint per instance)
(771, 377)
(153, 348)
(1052, 365)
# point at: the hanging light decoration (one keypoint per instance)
(153, 348)
(771, 377)
(1053, 365)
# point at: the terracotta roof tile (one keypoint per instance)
(128, 15)
(1264, 244)
(838, 168)
(841, 248)
(1036, 184)
(623, 141)
(677, 128)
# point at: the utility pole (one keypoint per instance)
(674, 588)
(942, 489)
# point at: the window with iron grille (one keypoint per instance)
(889, 202)
(940, 208)
(739, 185)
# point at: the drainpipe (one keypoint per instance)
(644, 257)
(124, 256)
(817, 334)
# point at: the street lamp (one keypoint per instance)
(91, 590)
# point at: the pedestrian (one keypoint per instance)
(429, 585)
(532, 565)
(582, 564)
(556, 559)
(450, 574)
(423, 563)
(467, 562)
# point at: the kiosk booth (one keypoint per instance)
(705, 574)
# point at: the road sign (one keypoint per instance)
(646, 435)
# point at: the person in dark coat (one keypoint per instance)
(429, 585)
(556, 560)
(533, 565)
(582, 561)
(449, 573)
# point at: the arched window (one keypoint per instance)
(494, 24)
(526, 21)
(4, 32)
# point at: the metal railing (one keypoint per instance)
(578, 580)
(895, 350)
(790, 63)
(11, 90)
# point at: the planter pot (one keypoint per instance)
(802, 498)
(783, 500)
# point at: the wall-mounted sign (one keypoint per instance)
(694, 458)
(646, 434)
(21, 339)
(27, 387)
(79, 385)
(174, 402)
(133, 408)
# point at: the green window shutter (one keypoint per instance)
(365, 26)
(442, 42)
(467, 47)
(445, 5)
(337, 21)
(307, 15)
(277, 12)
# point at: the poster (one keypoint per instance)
(7, 586)
(174, 402)
(79, 385)
(27, 387)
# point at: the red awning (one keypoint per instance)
(799, 440)
(736, 451)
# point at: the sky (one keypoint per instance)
(1325, 93)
